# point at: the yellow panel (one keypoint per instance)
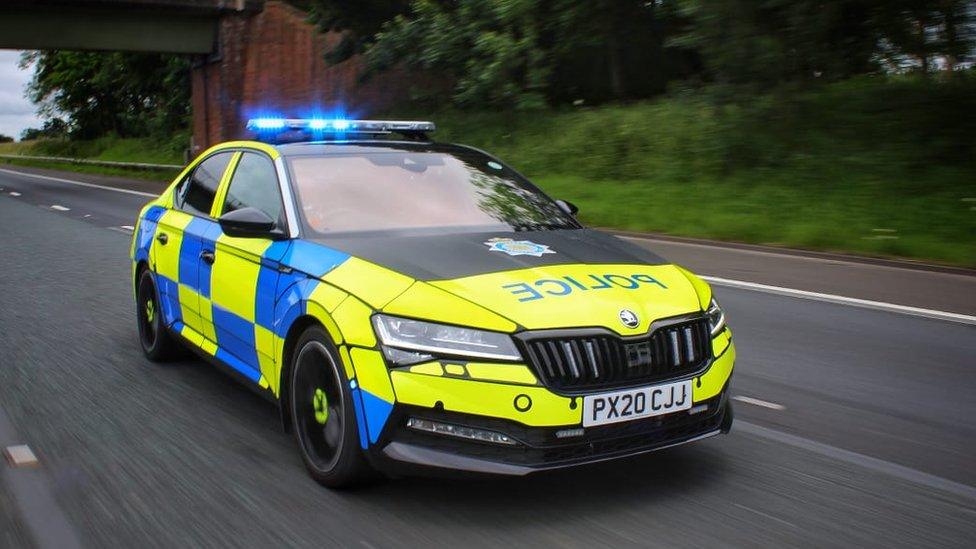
(244, 144)
(428, 368)
(264, 344)
(371, 283)
(246, 248)
(329, 297)
(323, 316)
(455, 370)
(190, 308)
(218, 204)
(209, 347)
(559, 296)
(352, 316)
(192, 336)
(206, 319)
(422, 300)
(721, 341)
(701, 287)
(714, 379)
(485, 399)
(511, 373)
(372, 373)
(347, 362)
(234, 282)
(167, 256)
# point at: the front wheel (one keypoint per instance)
(157, 343)
(322, 413)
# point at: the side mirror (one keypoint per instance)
(249, 223)
(567, 207)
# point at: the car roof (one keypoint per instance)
(324, 148)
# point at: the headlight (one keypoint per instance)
(716, 318)
(409, 341)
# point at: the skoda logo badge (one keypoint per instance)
(629, 318)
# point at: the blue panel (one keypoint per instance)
(290, 303)
(277, 250)
(235, 335)
(169, 295)
(236, 364)
(147, 229)
(190, 261)
(200, 227)
(377, 411)
(360, 418)
(313, 259)
(208, 241)
(264, 298)
(154, 213)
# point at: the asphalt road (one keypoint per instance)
(860, 431)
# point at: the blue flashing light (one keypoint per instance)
(292, 129)
(267, 123)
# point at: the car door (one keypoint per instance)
(178, 245)
(244, 274)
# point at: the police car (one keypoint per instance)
(415, 306)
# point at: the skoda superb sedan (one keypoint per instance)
(414, 306)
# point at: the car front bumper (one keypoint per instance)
(540, 449)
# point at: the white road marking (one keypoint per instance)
(871, 463)
(79, 183)
(60, 208)
(119, 230)
(767, 515)
(14, 193)
(34, 501)
(87, 215)
(20, 456)
(842, 300)
(129, 228)
(757, 402)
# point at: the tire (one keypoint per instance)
(157, 343)
(323, 417)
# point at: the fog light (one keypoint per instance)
(459, 431)
(698, 409)
(569, 433)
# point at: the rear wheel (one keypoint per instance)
(157, 343)
(322, 413)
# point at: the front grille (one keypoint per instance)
(602, 360)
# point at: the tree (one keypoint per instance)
(5, 138)
(775, 41)
(526, 53)
(358, 21)
(51, 129)
(127, 94)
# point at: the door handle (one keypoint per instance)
(208, 257)
(162, 238)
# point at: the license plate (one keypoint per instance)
(638, 403)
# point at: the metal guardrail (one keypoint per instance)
(107, 163)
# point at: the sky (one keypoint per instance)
(16, 112)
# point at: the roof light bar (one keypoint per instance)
(331, 125)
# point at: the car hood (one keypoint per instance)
(536, 280)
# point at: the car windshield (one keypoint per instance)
(422, 191)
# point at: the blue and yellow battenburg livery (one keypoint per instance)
(594, 348)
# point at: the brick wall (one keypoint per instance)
(273, 62)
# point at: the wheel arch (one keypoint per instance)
(297, 328)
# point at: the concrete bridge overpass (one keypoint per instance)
(250, 56)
